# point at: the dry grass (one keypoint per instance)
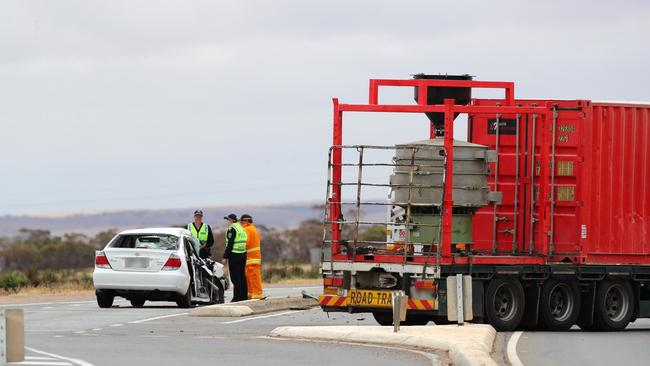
(71, 289)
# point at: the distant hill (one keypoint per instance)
(281, 216)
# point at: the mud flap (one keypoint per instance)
(586, 317)
(531, 313)
(452, 301)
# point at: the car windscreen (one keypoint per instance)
(145, 241)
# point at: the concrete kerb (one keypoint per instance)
(251, 307)
(469, 345)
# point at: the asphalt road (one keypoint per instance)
(576, 347)
(80, 333)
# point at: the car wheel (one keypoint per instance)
(217, 296)
(104, 299)
(560, 304)
(614, 305)
(504, 303)
(185, 301)
(137, 302)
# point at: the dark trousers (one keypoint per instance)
(237, 268)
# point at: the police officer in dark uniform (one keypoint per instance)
(235, 257)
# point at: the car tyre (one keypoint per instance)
(218, 296)
(505, 303)
(185, 301)
(559, 304)
(614, 305)
(104, 299)
(137, 302)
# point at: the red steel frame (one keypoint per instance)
(449, 108)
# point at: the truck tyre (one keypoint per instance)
(504, 303)
(185, 301)
(416, 319)
(386, 319)
(383, 319)
(559, 304)
(614, 305)
(104, 299)
(137, 302)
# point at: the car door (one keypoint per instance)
(194, 262)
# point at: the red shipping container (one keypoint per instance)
(599, 212)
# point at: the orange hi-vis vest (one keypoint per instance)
(253, 253)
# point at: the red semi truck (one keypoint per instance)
(544, 211)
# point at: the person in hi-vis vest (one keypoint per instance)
(203, 232)
(235, 257)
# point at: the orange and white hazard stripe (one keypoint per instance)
(414, 304)
(331, 300)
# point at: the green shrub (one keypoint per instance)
(49, 277)
(13, 281)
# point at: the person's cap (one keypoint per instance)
(246, 217)
(231, 217)
(198, 213)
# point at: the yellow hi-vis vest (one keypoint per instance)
(239, 246)
(202, 234)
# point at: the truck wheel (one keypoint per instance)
(416, 319)
(614, 305)
(386, 319)
(137, 302)
(504, 303)
(105, 299)
(383, 319)
(559, 304)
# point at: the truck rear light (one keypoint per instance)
(331, 291)
(425, 285)
(333, 282)
(101, 261)
(173, 263)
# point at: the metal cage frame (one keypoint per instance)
(544, 115)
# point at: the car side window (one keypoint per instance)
(189, 247)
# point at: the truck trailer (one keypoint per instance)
(540, 219)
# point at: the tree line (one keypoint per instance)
(39, 249)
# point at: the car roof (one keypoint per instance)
(158, 230)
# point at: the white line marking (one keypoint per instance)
(33, 358)
(97, 329)
(73, 360)
(261, 317)
(116, 325)
(512, 349)
(156, 318)
(43, 363)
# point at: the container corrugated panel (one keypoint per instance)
(600, 185)
(615, 225)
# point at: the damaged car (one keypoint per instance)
(160, 264)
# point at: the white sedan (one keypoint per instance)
(157, 265)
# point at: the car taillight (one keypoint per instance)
(101, 261)
(173, 263)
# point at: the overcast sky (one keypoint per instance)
(110, 105)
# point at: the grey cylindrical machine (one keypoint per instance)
(471, 169)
